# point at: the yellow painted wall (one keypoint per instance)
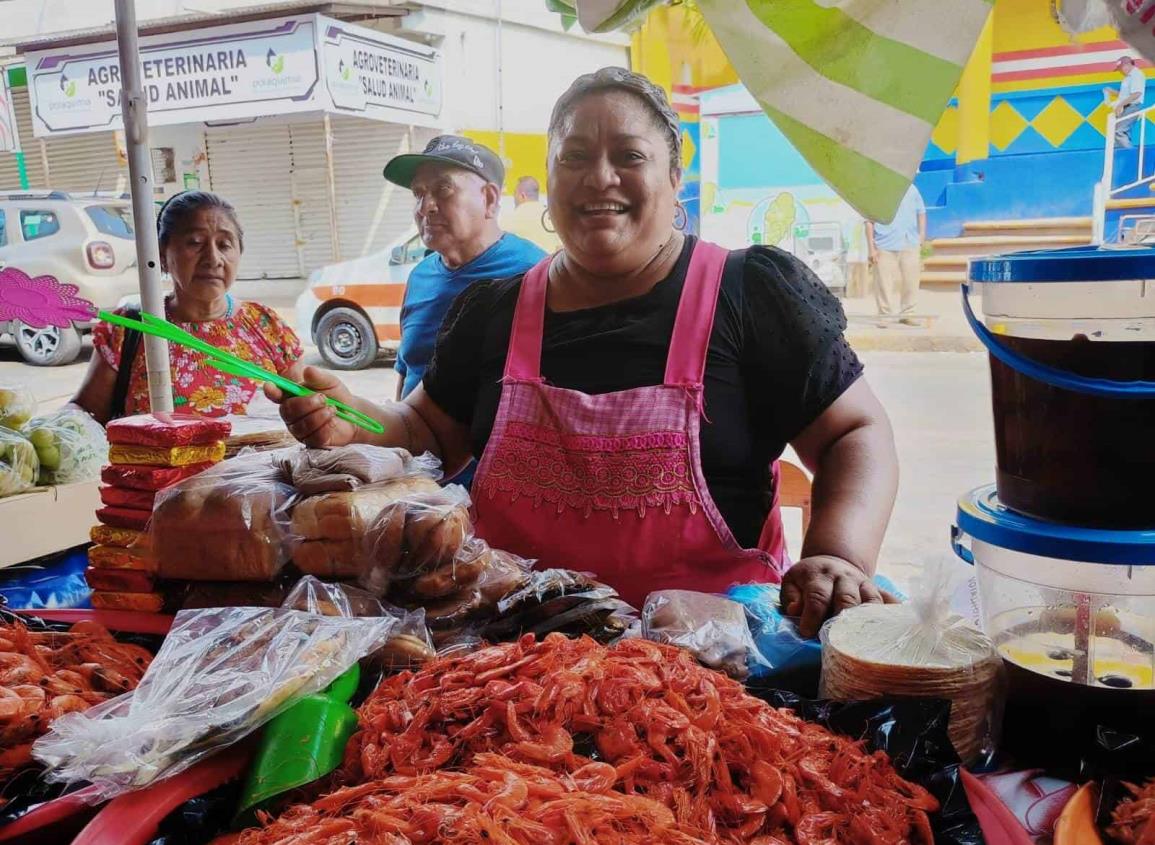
(1028, 25)
(524, 154)
(674, 47)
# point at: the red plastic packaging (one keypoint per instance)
(167, 430)
(121, 538)
(138, 602)
(133, 819)
(124, 497)
(124, 517)
(116, 557)
(119, 580)
(141, 477)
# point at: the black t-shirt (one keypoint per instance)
(777, 360)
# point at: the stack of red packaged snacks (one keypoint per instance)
(148, 453)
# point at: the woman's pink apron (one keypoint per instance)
(613, 484)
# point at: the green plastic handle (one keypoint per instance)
(344, 411)
(231, 364)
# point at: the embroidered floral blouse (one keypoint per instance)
(252, 331)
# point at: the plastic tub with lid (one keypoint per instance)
(1071, 334)
(1072, 612)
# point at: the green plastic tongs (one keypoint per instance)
(231, 364)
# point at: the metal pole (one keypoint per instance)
(135, 110)
(331, 185)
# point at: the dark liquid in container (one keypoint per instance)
(1072, 457)
(1052, 722)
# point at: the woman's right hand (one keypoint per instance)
(309, 418)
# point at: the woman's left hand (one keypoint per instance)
(822, 586)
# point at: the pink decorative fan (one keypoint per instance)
(42, 301)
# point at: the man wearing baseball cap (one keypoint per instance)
(456, 185)
(1130, 99)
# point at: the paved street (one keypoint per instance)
(939, 402)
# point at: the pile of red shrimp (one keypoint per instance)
(45, 674)
(633, 721)
(493, 800)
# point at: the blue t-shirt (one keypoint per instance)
(902, 232)
(431, 290)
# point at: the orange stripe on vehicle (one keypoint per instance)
(388, 332)
(367, 296)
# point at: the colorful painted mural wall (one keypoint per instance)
(1024, 138)
(1045, 126)
(756, 188)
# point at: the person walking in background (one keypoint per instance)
(895, 250)
(528, 216)
(456, 187)
(1131, 95)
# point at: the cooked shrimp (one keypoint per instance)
(18, 668)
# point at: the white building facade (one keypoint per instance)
(290, 110)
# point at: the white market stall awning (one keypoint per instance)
(240, 71)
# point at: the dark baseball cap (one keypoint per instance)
(448, 149)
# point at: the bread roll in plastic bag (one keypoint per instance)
(333, 526)
(409, 644)
(172, 429)
(219, 675)
(424, 527)
(19, 464)
(229, 523)
(351, 467)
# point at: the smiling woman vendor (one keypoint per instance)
(628, 397)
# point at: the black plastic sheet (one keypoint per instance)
(913, 732)
(1117, 758)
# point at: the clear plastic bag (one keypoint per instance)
(920, 649)
(416, 534)
(19, 465)
(333, 528)
(409, 643)
(713, 627)
(782, 653)
(228, 523)
(347, 468)
(70, 444)
(552, 599)
(17, 406)
(219, 675)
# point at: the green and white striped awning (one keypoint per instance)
(856, 85)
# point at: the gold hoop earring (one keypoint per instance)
(681, 217)
(545, 216)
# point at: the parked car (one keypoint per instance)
(352, 309)
(87, 241)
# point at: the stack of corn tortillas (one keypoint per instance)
(887, 651)
(260, 434)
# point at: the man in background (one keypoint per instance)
(1132, 92)
(456, 187)
(895, 250)
(527, 218)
